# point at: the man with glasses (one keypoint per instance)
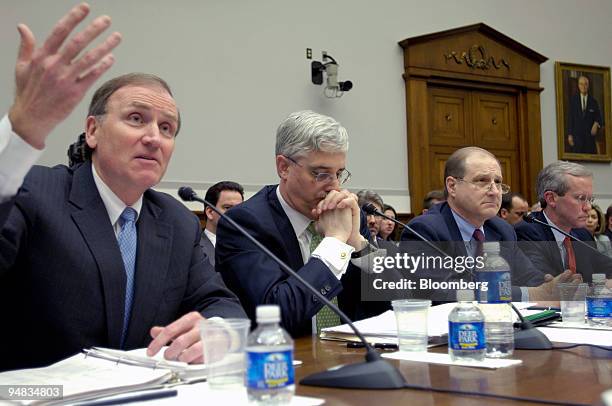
(468, 218)
(565, 191)
(308, 221)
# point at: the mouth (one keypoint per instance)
(147, 158)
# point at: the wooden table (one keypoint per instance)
(578, 375)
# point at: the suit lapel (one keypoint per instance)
(549, 236)
(458, 245)
(290, 242)
(92, 219)
(152, 263)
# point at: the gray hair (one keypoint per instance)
(306, 131)
(369, 196)
(553, 178)
(455, 165)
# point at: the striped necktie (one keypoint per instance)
(127, 240)
(326, 316)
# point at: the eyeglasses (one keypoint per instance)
(342, 175)
(584, 199)
(486, 185)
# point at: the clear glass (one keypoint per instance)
(411, 318)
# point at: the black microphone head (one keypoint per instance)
(369, 208)
(528, 217)
(186, 193)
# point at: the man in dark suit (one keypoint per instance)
(565, 191)
(224, 195)
(473, 189)
(89, 255)
(308, 221)
(585, 120)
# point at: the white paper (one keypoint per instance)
(384, 325)
(444, 359)
(578, 335)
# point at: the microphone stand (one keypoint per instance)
(374, 373)
(530, 218)
(528, 337)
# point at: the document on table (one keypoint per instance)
(578, 335)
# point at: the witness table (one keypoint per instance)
(578, 375)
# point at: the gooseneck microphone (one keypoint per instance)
(531, 218)
(527, 338)
(375, 373)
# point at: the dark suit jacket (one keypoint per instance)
(538, 243)
(62, 279)
(580, 124)
(208, 248)
(257, 279)
(439, 225)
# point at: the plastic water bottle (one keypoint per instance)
(269, 352)
(466, 329)
(599, 302)
(495, 302)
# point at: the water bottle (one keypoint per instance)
(495, 302)
(599, 302)
(466, 329)
(269, 353)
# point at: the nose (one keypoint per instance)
(152, 136)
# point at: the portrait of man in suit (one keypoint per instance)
(583, 98)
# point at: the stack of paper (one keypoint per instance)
(383, 328)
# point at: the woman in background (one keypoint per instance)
(387, 226)
(597, 227)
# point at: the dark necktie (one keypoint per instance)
(479, 237)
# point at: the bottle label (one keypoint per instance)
(599, 307)
(269, 370)
(466, 336)
(499, 287)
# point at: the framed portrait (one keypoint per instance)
(583, 112)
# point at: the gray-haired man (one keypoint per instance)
(290, 218)
(565, 191)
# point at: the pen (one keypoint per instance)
(131, 397)
(382, 346)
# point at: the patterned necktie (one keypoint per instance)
(127, 240)
(479, 238)
(570, 257)
(326, 316)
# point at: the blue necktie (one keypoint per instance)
(127, 240)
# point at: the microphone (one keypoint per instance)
(374, 373)
(531, 218)
(527, 338)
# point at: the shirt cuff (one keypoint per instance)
(16, 159)
(524, 294)
(335, 255)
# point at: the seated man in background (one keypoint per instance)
(565, 191)
(90, 255)
(308, 221)
(224, 195)
(432, 198)
(513, 207)
(374, 222)
(473, 190)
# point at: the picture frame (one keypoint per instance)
(583, 112)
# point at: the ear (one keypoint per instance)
(551, 199)
(503, 213)
(282, 167)
(451, 184)
(92, 129)
(209, 213)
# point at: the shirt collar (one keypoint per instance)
(465, 228)
(212, 237)
(298, 221)
(114, 205)
(558, 236)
